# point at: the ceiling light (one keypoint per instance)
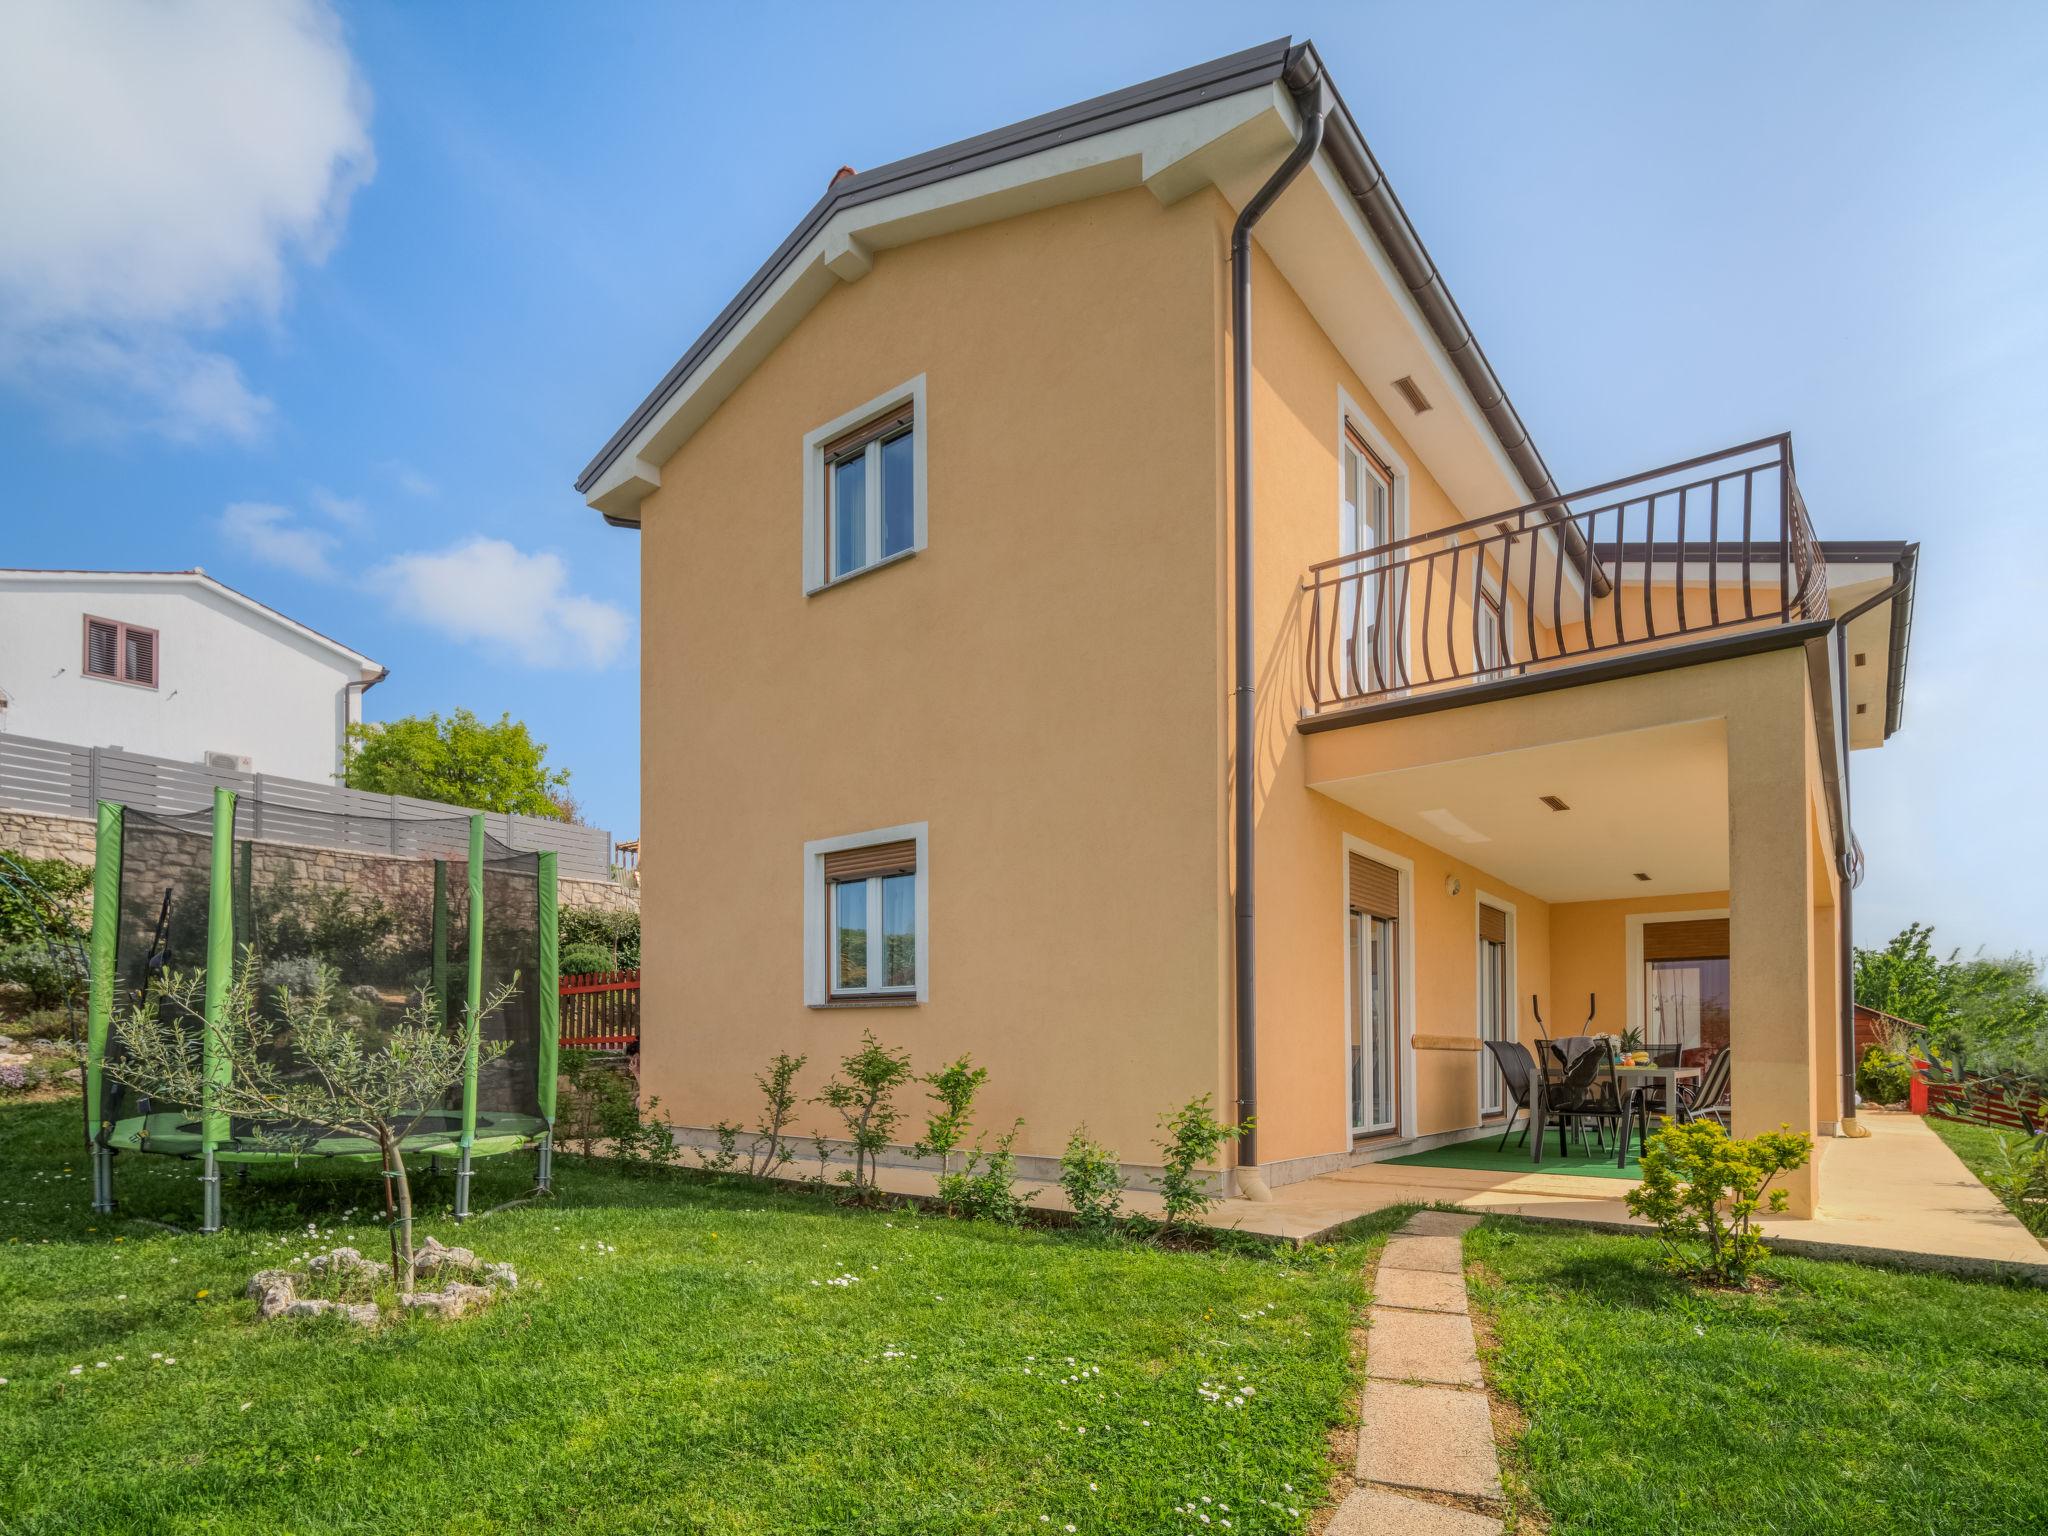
(1418, 402)
(1553, 802)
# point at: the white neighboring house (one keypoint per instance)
(174, 664)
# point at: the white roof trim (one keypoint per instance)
(199, 578)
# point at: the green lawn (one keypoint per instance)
(677, 1358)
(1978, 1147)
(1848, 1399)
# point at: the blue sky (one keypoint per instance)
(394, 275)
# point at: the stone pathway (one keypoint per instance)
(1426, 1463)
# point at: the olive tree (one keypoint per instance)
(303, 1072)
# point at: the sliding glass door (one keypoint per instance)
(1375, 998)
(1493, 1018)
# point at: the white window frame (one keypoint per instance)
(1350, 418)
(818, 905)
(817, 548)
(1632, 946)
(1404, 1023)
(1510, 991)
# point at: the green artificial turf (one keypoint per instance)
(683, 1354)
(1845, 1399)
(1514, 1158)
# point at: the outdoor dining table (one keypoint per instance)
(1631, 1079)
(1634, 1078)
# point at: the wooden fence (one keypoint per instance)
(1993, 1102)
(601, 1011)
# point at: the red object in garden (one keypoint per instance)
(1916, 1095)
(601, 1011)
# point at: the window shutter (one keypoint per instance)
(864, 863)
(102, 648)
(141, 656)
(1493, 925)
(1375, 888)
(1703, 938)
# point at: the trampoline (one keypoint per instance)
(397, 909)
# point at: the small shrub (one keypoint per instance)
(45, 1024)
(1093, 1180)
(1193, 1137)
(617, 933)
(727, 1157)
(50, 977)
(953, 1089)
(769, 1152)
(1701, 1187)
(2020, 1178)
(587, 959)
(864, 1096)
(985, 1188)
(645, 1141)
(1882, 1077)
(63, 883)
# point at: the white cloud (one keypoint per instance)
(489, 593)
(161, 168)
(410, 480)
(274, 535)
(349, 511)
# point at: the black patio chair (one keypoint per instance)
(1704, 1101)
(1517, 1075)
(1568, 1092)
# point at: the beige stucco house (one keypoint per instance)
(1006, 691)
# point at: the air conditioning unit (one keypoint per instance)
(228, 762)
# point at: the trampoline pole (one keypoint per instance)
(548, 903)
(216, 1068)
(472, 1021)
(99, 1009)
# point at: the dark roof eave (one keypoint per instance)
(1296, 65)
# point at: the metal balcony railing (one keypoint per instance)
(1719, 542)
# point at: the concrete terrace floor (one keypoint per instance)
(1897, 1194)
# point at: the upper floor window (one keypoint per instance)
(121, 653)
(864, 487)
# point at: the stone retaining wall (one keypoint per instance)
(390, 880)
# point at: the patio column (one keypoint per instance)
(1770, 912)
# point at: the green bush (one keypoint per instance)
(2020, 1178)
(617, 932)
(587, 959)
(985, 1189)
(62, 881)
(50, 977)
(1882, 1077)
(1193, 1136)
(1094, 1182)
(1701, 1188)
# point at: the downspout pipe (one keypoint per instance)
(1845, 958)
(1312, 100)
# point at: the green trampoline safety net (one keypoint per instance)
(379, 904)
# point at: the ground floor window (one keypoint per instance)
(866, 908)
(1373, 1008)
(1685, 983)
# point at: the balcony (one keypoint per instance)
(1715, 544)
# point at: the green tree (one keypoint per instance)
(460, 761)
(1991, 1008)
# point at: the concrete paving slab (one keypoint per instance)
(1422, 1346)
(1375, 1512)
(1439, 1224)
(1444, 1254)
(1439, 1439)
(1419, 1290)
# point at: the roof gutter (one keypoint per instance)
(1900, 595)
(1388, 220)
(1312, 98)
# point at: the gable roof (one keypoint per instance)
(374, 672)
(1295, 67)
